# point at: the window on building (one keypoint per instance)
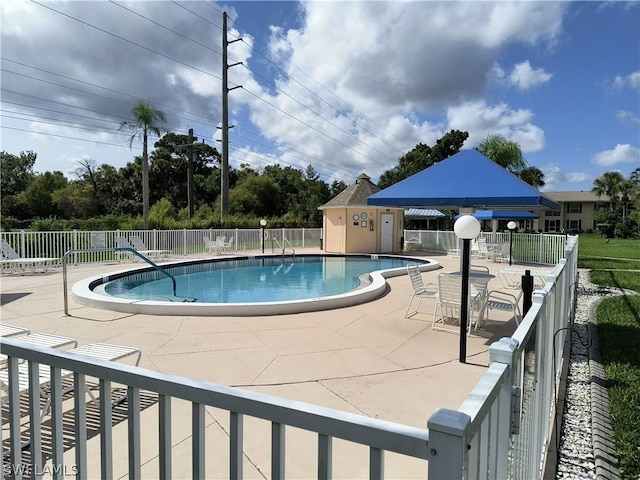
(552, 226)
(551, 213)
(574, 225)
(574, 208)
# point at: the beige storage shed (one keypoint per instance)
(349, 225)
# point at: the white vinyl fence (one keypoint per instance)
(502, 430)
(543, 249)
(179, 242)
(538, 248)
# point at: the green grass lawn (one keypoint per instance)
(619, 334)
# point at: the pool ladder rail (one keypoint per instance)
(283, 246)
(116, 249)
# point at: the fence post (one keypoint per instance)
(23, 244)
(448, 444)
(75, 247)
(504, 351)
(184, 242)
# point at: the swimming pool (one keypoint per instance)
(263, 285)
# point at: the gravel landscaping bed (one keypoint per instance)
(586, 447)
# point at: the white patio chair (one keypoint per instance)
(483, 250)
(142, 249)
(497, 300)
(420, 290)
(122, 242)
(101, 351)
(227, 246)
(20, 264)
(210, 245)
(43, 340)
(449, 300)
(8, 331)
(504, 254)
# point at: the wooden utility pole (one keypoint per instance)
(224, 166)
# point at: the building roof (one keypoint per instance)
(579, 196)
(354, 195)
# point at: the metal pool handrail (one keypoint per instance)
(115, 249)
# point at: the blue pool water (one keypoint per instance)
(254, 280)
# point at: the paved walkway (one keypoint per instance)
(366, 359)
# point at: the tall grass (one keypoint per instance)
(611, 264)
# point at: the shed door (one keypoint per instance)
(386, 233)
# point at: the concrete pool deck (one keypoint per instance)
(366, 359)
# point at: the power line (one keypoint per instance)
(104, 88)
(307, 125)
(85, 92)
(126, 40)
(323, 118)
(336, 109)
(323, 87)
(167, 28)
(81, 126)
(63, 136)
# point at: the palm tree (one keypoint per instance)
(533, 176)
(508, 155)
(608, 184)
(505, 153)
(146, 120)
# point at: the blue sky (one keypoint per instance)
(347, 87)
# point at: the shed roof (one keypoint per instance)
(354, 195)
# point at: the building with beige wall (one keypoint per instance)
(576, 214)
(349, 225)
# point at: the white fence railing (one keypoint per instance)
(179, 242)
(502, 430)
(543, 248)
(537, 248)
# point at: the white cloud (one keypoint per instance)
(480, 120)
(524, 77)
(626, 116)
(631, 81)
(554, 176)
(620, 154)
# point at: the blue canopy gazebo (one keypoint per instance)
(468, 181)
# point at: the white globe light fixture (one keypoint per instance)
(511, 226)
(466, 228)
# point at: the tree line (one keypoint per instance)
(103, 197)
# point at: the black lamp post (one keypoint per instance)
(466, 228)
(263, 223)
(511, 226)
